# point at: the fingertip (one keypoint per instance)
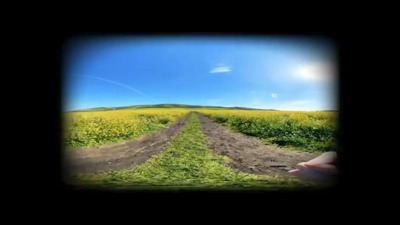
(303, 164)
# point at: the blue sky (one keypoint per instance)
(284, 73)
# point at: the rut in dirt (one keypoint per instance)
(248, 154)
(119, 156)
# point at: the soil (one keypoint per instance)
(248, 154)
(123, 155)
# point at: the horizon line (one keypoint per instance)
(193, 105)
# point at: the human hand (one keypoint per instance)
(321, 168)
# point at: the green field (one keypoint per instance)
(187, 162)
(306, 131)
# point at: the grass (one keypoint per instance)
(187, 163)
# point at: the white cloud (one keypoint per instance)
(316, 72)
(124, 86)
(220, 68)
(274, 95)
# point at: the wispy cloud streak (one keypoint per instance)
(123, 85)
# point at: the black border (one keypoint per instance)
(57, 184)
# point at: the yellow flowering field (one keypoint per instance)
(94, 128)
(311, 131)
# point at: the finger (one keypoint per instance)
(326, 168)
(302, 164)
(311, 174)
(324, 158)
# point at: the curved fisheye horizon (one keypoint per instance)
(209, 113)
(289, 74)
